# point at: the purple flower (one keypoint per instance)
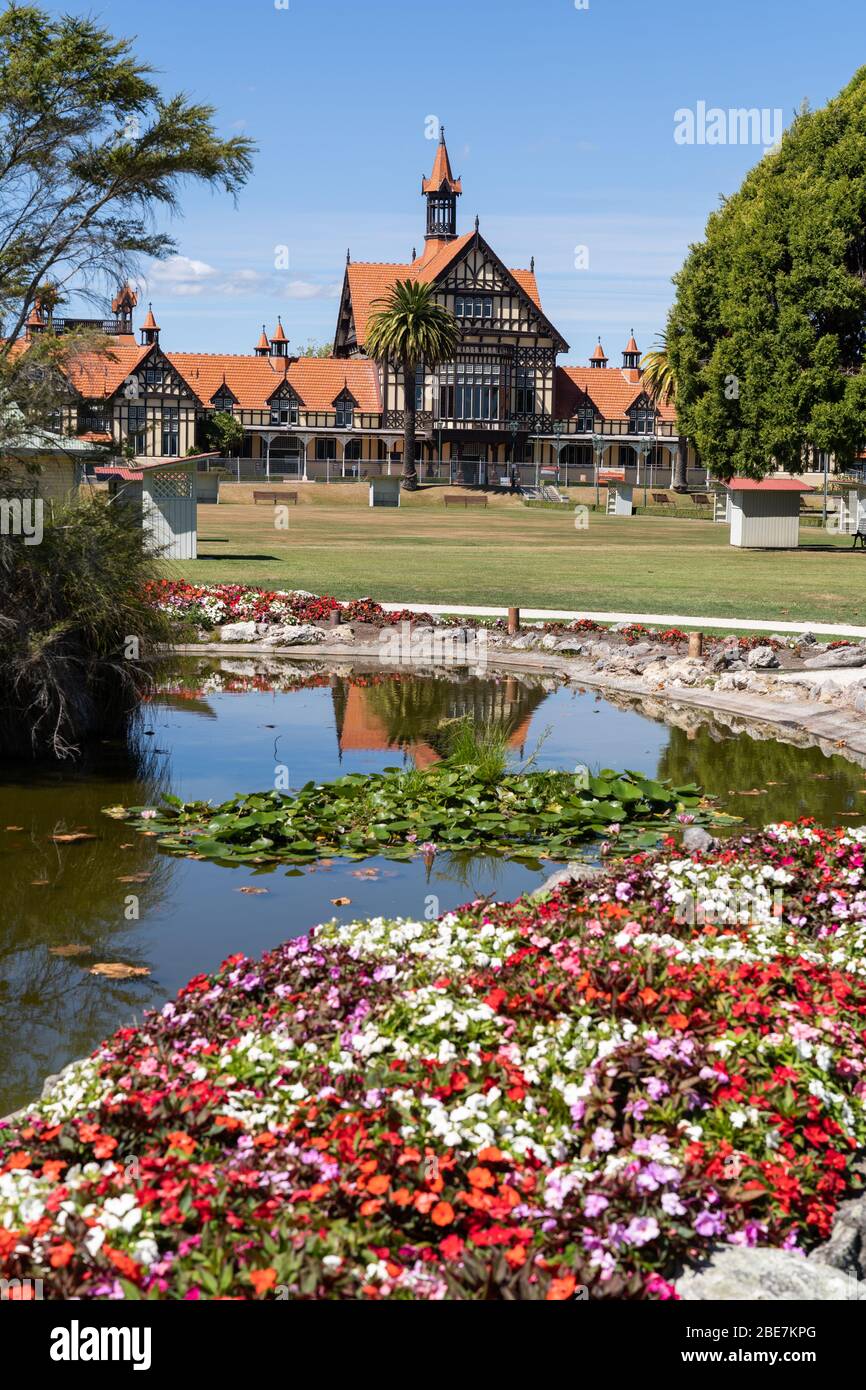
(709, 1224)
(604, 1139)
(595, 1205)
(641, 1230)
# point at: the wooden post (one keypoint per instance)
(513, 621)
(335, 618)
(696, 644)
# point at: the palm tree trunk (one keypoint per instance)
(680, 479)
(410, 472)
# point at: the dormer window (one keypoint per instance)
(642, 417)
(345, 408)
(224, 403)
(584, 417)
(284, 410)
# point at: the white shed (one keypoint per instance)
(620, 494)
(765, 514)
(385, 492)
(165, 494)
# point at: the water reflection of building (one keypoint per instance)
(412, 715)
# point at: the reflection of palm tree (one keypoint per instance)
(420, 709)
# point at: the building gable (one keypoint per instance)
(475, 269)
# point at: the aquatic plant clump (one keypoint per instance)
(511, 1102)
(454, 806)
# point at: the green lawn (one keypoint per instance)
(531, 557)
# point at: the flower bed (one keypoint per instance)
(511, 1101)
(211, 605)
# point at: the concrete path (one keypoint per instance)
(559, 615)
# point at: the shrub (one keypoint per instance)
(76, 631)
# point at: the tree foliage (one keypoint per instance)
(90, 151)
(766, 337)
(223, 431)
(76, 630)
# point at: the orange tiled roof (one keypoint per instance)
(612, 391)
(253, 380)
(442, 171)
(98, 375)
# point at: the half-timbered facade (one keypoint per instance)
(502, 408)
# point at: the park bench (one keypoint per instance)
(860, 533)
(700, 499)
(661, 499)
(457, 499)
(274, 497)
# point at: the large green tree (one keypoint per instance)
(90, 152)
(410, 328)
(766, 337)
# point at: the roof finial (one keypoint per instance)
(414, 253)
(348, 257)
(532, 265)
(441, 135)
(477, 221)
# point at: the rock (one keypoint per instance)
(295, 635)
(808, 639)
(839, 659)
(238, 632)
(696, 838)
(575, 872)
(338, 634)
(762, 659)
(736, 1274)
(846, 1248)
(527, 642)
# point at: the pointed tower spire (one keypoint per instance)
(441, 191)
(598, 358)
(149, 329)
(263, 347)
(631, 355)
(279, 341)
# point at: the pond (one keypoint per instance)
(221, 728)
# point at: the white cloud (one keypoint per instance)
(183, 277)
(307, 289)
(180, 275)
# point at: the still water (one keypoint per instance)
(220, 729)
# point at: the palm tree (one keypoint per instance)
(660, 382)
(658, 373)
(410, 328)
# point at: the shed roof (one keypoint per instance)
(767, 485)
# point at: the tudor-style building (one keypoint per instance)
(503, 406)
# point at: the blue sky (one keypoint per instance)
(559, 119)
